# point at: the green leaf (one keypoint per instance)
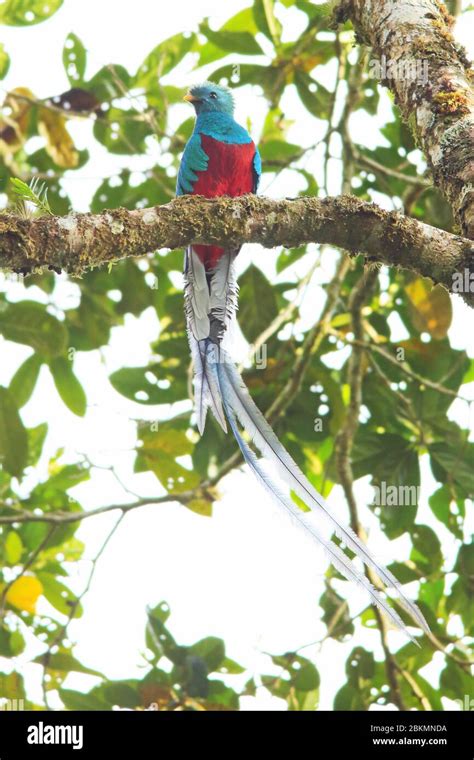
(12, 686)
(315, 97)
(68, 386)
(90, 324)
(122, 131)
(392, 461)
(28, 322)
(336, 615)
(4, 61)
(305, 700)
(160, 613)
(412, 658)
(429, 307)
(13, 548)
(264, 76)
(390, 458)
(167, 440)
(431, 595)
(288, 256)
(136, 295)
(35, 533)
(258, 306)
(158, 453)
(122, 693)
(264, 14)
(230, 667)
(17, 643)
(59, 595)
(469, 376)
(13, 437)
(162, 59)
(74, 59)
(348, 699)
(220, 694)
(62, 478)
(460, 598)
(412, 700)
(158, 638)
(152, 192)
(211, 650)
(109, 82)
(459, 602)
(135, 383)
(465, 562)
(455, 683)
(77, 700)
(278, 153)
(306, 678)
(426, 551)
(360, 666)
(243, 21)
(200, 507)
(36, 438)
(36, 192)
(24, 380)
(232, 42)
(403, 572)
(65, 662)
(27, 12)
(454, 463)
(441, 502)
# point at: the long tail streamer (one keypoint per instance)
(220, 387)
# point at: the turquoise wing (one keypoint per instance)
(257, 169)
(194, 160)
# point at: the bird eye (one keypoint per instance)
(213, 95)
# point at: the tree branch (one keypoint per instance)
(59, 517)
(77, 242)
(431, 78)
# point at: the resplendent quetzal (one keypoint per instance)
(220, 159)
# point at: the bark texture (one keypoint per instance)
(77, 242)
(438, 101)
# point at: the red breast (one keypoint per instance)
(229, 172)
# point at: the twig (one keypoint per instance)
(61, 518)
(370, 163)
(425, 702)
(403, 366)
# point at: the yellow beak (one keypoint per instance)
(190, 98)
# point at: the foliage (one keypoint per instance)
(408, 386)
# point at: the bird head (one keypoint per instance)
(210, 98)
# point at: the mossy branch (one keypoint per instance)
(77, 242)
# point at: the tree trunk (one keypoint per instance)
(431, 79)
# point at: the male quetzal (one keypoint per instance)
(219, 159)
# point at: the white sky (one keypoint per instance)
(245, 575)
